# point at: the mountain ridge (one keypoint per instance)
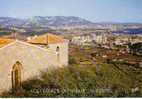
(58, 21)
(44, 21)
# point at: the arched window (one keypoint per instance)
(57, 49)
(58, 53)
(16, 76)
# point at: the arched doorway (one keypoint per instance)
(16, 76)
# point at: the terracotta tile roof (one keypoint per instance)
(46, 39)
(5, 41)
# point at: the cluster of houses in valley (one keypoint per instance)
(89, 39)
(22, 60)
(82, 40)
(105, 39)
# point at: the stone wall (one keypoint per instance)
(63, 52)
(33, 59)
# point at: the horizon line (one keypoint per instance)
(112, 22)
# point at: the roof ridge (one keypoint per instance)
(25, 43)
(47, 38)
(5, 41)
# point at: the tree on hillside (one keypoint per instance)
(136, 48)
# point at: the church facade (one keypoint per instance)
(21, 61)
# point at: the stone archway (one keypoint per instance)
(16, 76)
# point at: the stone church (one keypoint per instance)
(21, 60)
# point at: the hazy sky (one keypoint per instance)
(93, 10)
